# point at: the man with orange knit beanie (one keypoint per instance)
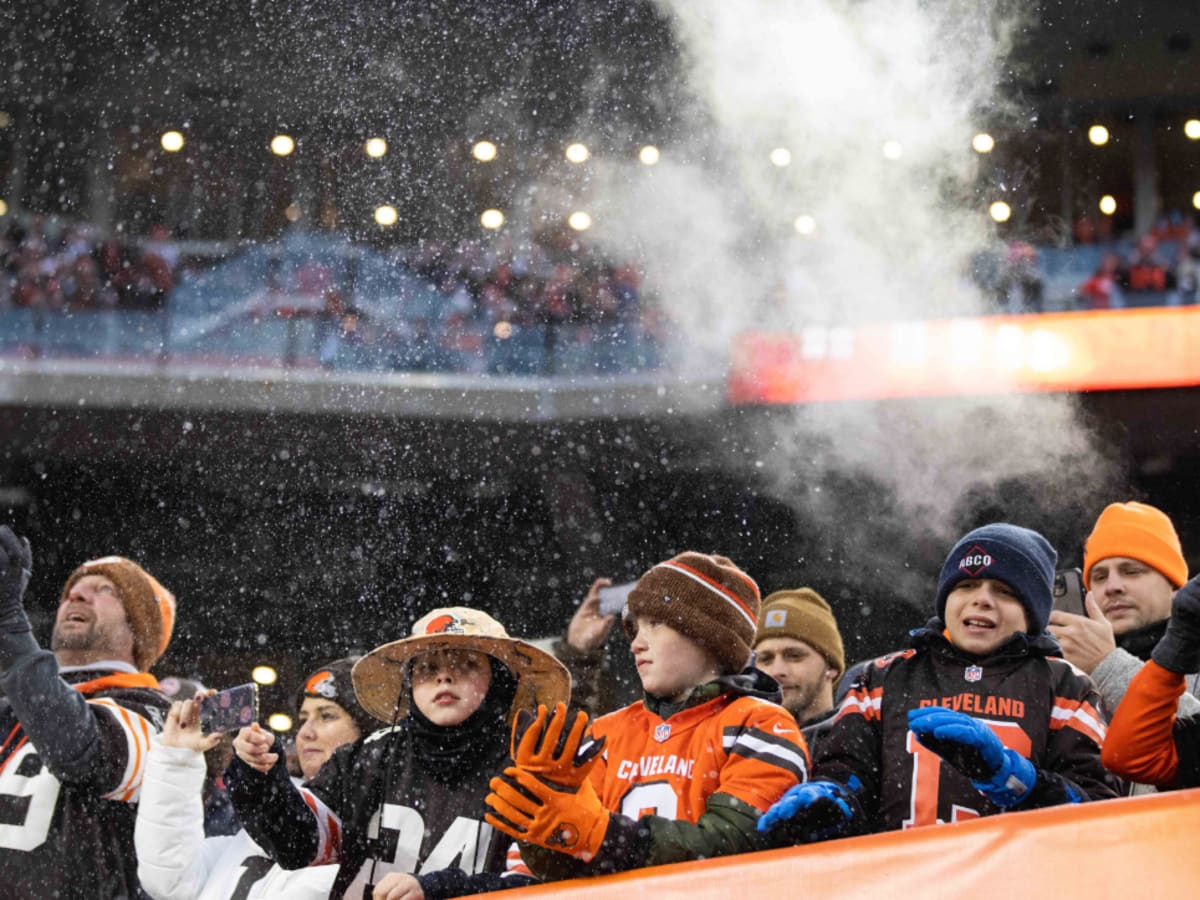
(1132, 566)
(75, 725)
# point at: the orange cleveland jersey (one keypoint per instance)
(734, 744)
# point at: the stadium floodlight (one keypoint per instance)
(279, 722)
(5, 118)
(1108, 204)
(1191, 128)
(1000, 211)
(172, 141)
(892, 150)
(264, 674)
(1196, 200)
(805, 225)
(484, 151)
(3, 208)
(282, 145)
(577, 153)
(983, 143)
(1098, 135)
(491, 219)
(648, 155)
(579, 220)
(376, 147)
(386, 215)
(780, 157)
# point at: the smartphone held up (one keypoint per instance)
(229, 710)
(1069, 592)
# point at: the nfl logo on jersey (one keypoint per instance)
(973, 673)
(662, 732)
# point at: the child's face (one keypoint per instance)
(449, 685)
(982, 613)
(668, 663)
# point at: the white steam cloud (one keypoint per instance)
(876, 103)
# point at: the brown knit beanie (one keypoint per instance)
(705, 598)
(1136, 531)
(149, 606)
(804, 615)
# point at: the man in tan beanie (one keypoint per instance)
(1132, 565)
(76, 726)
(799, 645)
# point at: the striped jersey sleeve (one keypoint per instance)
(329, 829)
(135, 730)
(765, 754)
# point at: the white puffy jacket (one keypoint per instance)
(177, 862)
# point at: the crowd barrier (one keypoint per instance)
(1135, 847)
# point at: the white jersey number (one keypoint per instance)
(40, 795)
(655, 799)
(466, 840)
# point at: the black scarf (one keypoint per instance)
(1140, 642)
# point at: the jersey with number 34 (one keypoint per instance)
(741, 746)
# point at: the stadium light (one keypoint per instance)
(892, 150)
(1108, 204)
(1191, 128)
(1098, 135)
(376, 147)
(264, 675)
(3, 208)
(983, 143)
(484, 151)
(386, 215)
(172, 141)
(579, 221)
(648, 155)
(805, 225)
(279, 722)
(577, 153)
(491, 219)
(780, 157)
(1000, 211)
(282, 145)
(5, 119)
(1196, 200)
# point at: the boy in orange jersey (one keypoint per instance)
(683, 774)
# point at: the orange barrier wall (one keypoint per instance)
(1132, 848)
(1076, 351)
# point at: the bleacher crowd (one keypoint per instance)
(448, 762)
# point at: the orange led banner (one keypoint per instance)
(1136, 847)
(1074, 351)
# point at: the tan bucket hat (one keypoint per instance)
(379, 676)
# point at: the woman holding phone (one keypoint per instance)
(175, 860)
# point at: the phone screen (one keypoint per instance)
(229, 710)
(612, 598)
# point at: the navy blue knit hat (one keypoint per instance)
(1021, 558)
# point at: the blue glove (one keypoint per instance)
(1002, 775)
(813, 811)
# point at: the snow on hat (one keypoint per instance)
(1019, 557)
(379, 676)
(149, 607)
(705, 598)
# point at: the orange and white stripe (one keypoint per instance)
(863, 703)
(137, 730)
(329, 830)
(720, 590)
(1080, 715)
(513, 863)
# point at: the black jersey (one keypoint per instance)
(392, 802)
(1042, 707)
(71, 763)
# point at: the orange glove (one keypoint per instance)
(542, 744)
(528, 809)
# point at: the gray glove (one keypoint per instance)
(16, 566)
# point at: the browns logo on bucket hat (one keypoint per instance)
(379, 676)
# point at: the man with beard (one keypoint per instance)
(799, 645)
(1132, 566)
(75, 726)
